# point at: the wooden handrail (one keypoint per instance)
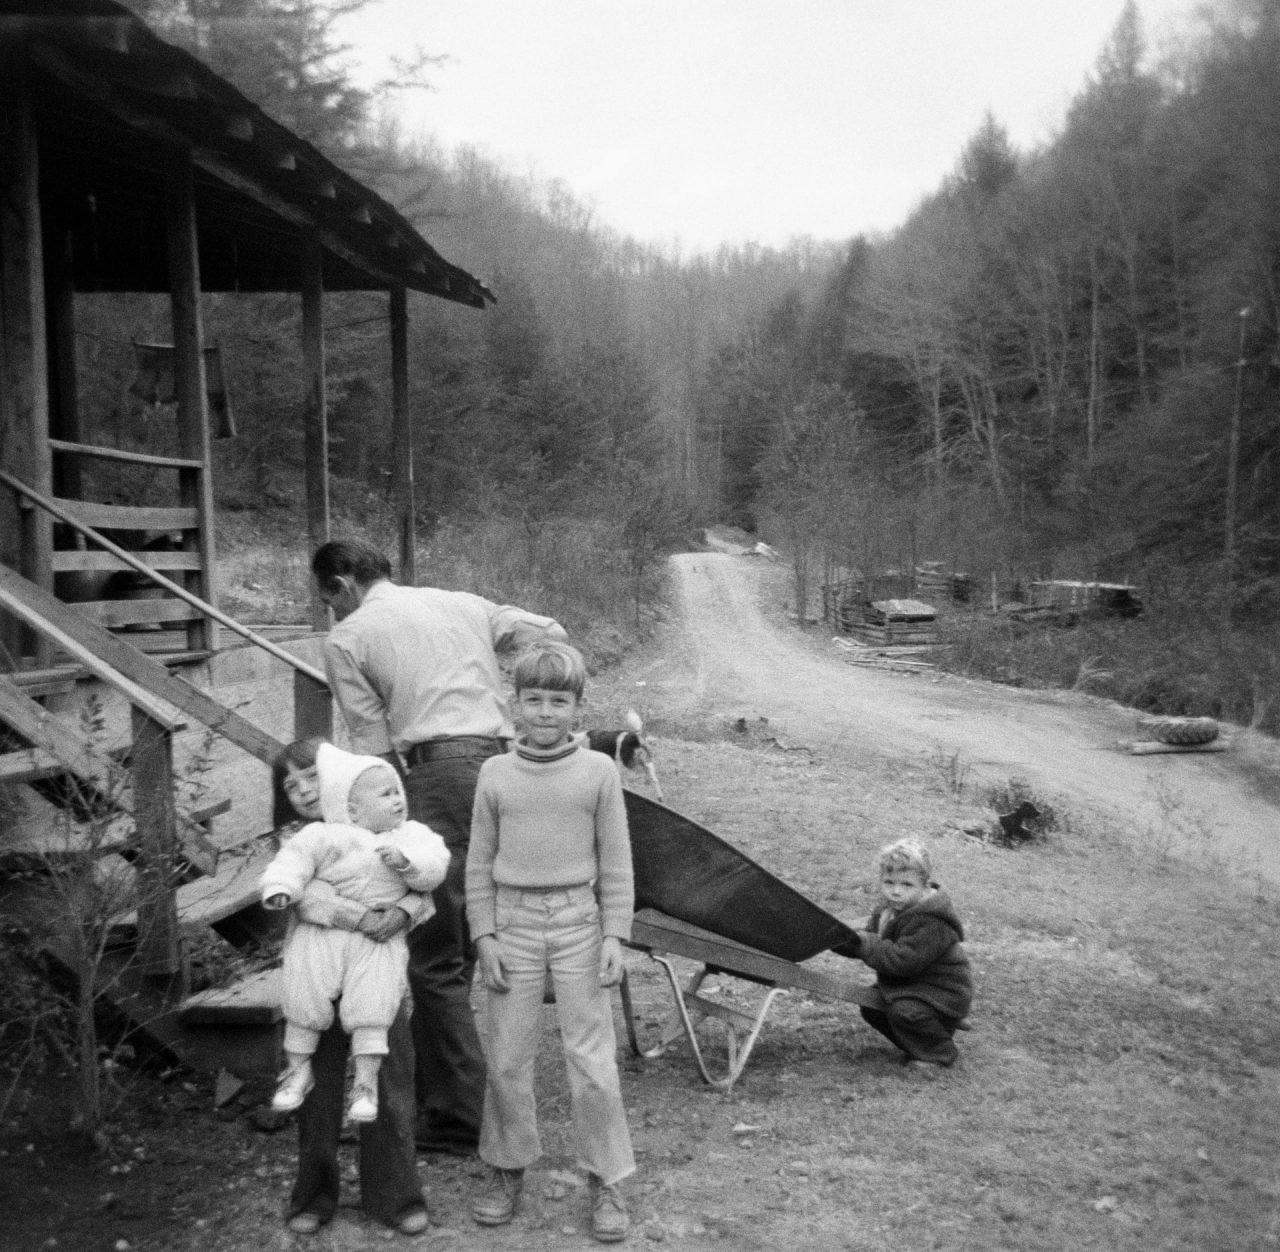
(119, 454)
(137, 696)
(168, 584)
(40, 609)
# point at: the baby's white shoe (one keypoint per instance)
(294, 1086)
(364, 1103)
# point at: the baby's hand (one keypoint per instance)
(277, 901)
(393, 858)
(381, 924)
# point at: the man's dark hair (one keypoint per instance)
(349, 558)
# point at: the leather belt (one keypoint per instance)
(453, 746)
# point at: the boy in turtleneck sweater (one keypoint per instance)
(549, 887)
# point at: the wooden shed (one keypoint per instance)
(1085, 599)
(127, 165)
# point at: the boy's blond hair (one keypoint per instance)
(552, 667)
(906, 854)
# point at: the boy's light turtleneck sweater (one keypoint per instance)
(550, 818)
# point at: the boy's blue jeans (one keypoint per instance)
(557, 930)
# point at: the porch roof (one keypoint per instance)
(115, 105)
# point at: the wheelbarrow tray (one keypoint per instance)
(686, 872)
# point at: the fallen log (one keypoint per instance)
(1149, 747)
(888, 662)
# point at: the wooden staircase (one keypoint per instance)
(120, 806)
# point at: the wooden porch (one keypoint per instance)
(128, 166)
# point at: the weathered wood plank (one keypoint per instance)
(29, 765)
(654, 931)
(254, 1001)
(116, 613)
(119, 454)
(98, 560)
(128, 516)
(151, 763)
(233, 887)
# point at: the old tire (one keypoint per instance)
(1182, 731)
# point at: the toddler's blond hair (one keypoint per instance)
(906, 854)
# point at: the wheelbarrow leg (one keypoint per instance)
(741, 1029)
(629, 1012)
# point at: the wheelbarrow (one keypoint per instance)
(700, 898)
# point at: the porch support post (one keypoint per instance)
(26, 534)
(315, 418)
(312, 708)
(196, 486)
(159, 946)
(402, 434)
(64, 415)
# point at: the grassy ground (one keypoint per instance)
(1120, 1088)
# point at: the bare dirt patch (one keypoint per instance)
(1120, 1089)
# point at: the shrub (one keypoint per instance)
(1178, 659)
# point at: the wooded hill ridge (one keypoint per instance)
(1064, 363)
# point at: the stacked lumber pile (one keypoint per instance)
(937, 583)
(905, 658)
(887, 622)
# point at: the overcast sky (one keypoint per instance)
(710, 121)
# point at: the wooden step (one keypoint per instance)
(58, 844)
(29, 765)
(52, 681)
(253, 1001)
(111, 833)
(234, 887)
(229, 900)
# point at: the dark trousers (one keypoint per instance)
(916, 1028)
(389, 1181)
(450, 1065)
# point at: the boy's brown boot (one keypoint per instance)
(609, 1219)
(496, 1204)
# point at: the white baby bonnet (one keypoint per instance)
(337, 771)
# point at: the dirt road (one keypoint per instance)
(733, 653)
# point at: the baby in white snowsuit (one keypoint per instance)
(370, 854)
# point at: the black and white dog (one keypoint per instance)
(629, 748)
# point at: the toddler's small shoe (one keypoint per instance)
(364, 1104)
(294, 1086)
(304, 1223)
(496, 1204)
(609, 1219)
(413, 1221)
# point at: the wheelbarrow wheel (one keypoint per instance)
(1181, 731)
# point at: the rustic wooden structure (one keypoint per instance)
(935, 582)
(127, 165)
(898, 621)
(1093, 599)
(845, 600)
